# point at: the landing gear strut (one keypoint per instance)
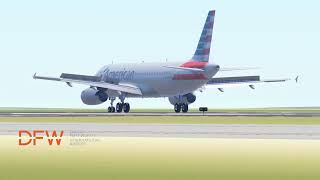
(111, 107)
(178, 107)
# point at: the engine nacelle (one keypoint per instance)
(191, 98)
(92, 96)
(187, 99)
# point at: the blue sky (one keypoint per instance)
(50, 37)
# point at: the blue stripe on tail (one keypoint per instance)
(203, 49)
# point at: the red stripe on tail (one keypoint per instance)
(194, 64)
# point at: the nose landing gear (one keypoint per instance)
(111, 107)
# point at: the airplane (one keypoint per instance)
(176, 81)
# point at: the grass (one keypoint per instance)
(162, 158)
(169, 120)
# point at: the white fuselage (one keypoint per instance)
(157, 79)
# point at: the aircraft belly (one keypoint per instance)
(163, 88)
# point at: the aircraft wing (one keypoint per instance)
(94, 81)
(224, 82)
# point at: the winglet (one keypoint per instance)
(239, 69)
(34, 75)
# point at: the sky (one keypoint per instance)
(281, 37)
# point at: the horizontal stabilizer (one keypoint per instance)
(185, 68)
(237, 79)
(238, 69)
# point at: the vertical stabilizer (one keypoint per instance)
(203, 49)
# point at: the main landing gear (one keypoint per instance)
(178, 107)
(121, 106)
(125, 107)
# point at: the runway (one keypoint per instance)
(95, 114)
(172, 130)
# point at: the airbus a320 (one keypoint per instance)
(177, 81)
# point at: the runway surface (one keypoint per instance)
(90, 114)
(172, 130)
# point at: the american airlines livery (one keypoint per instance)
(177, 81)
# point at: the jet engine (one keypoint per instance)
(92, 96)
(186, 99)
(191, 98)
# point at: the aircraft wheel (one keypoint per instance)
(177, 108)
(119, 107)
(126, 107)
(185, 108)
(111, 109)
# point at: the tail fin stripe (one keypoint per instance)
(203, 49)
